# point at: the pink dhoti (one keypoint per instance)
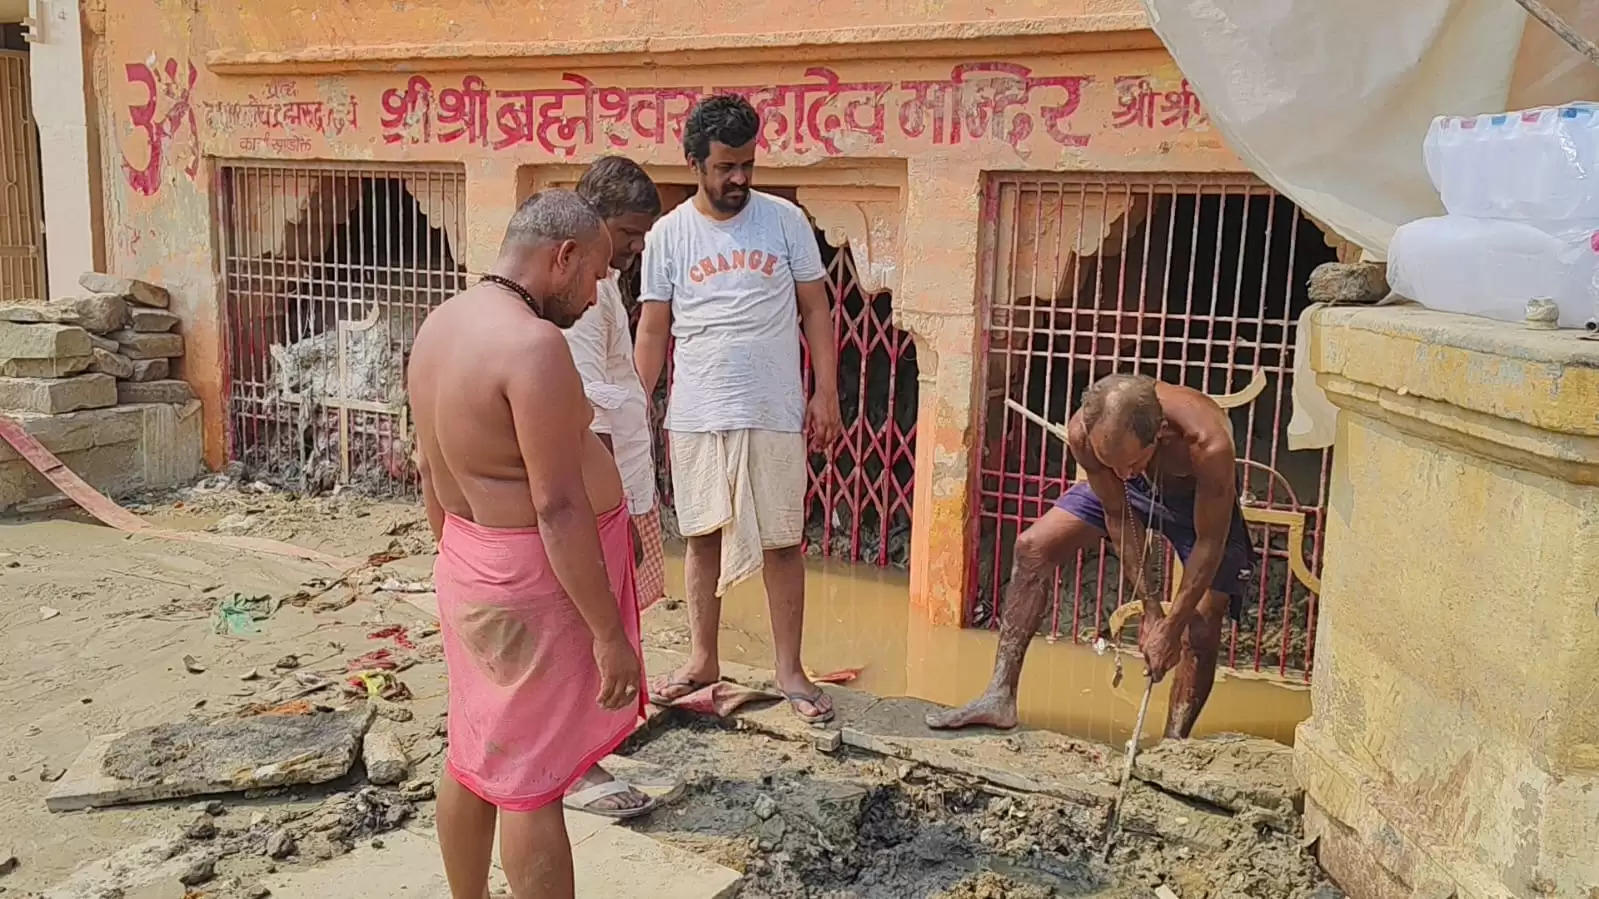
(524, 719)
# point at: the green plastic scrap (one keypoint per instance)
(238, 614)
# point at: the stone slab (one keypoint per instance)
(50, 396)
(152, 321)
(1348, 282)
(114, 364)
(136, 291)
(64, 367)
(98, 312)
(225, 756)
(136, 345)
(150, 369)
(608, 861)
(104, 342)
(119, 450)
(1232, 771)
(167, 391)
(42, 341)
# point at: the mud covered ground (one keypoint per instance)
(94, 638)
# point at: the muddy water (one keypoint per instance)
(860, 616)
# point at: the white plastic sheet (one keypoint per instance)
(1329, 101)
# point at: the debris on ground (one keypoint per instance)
(192, 665)
(190, 758)
(201, 871)
(237, 615)
(385, 758)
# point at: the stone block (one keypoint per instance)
(42, 341)
(54, 395)
(114, 364)
(136, 291)
(150, 369)
(104, 343)
(384, 757)
(98, 312)
(137, 345)
(168, 391)
(45, 368)
(152, 321)
(1349, 282)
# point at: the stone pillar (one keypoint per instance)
(940, 303)
(74, 241)
(1454, 737)
(494, 188)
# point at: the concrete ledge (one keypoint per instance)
(118, 450)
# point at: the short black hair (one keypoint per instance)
(616, 185)
(1124, 401)
(727, 119)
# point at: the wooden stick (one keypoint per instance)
(1035, 418)
(1127, 769)
(1550, 19)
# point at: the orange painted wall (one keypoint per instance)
(906, 104)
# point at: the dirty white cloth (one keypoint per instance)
(1329, 102)
(1314, 423)
(736, 362)
(748, 484)
(602, 348)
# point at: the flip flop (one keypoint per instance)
(583, 799)
(689, 686)
(814, 699)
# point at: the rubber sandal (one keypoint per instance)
(690, 687)
(794, 699)
(583, 799)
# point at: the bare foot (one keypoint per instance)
(989, 710)
(617, 802)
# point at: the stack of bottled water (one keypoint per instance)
(1522, 193)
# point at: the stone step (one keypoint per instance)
(55, 395)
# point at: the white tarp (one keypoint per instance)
(1328, 100)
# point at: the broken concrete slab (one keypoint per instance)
(96, 312)
(384, 757)
(137, 345)
(150, 369)
(136, 291)
(64, 367)
(114, 364)
(1034, 761)
(1231, 771)
(152, 321)
(167, 391)
(43, 341)
(50, 396)
(191, 758)
(1348, 282)
(156, 861)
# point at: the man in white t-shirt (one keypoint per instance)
(602, 349)
(732, 275)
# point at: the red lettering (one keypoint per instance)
(694, 273)
(771, 265)
(756, 256)
(738, 258)
(721, 263)
(707, 268)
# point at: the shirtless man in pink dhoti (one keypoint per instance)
(535, 567)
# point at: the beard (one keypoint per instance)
(730, 199)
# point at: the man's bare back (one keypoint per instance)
(466, 357)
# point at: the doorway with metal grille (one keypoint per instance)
(1197, 280)
(327, 272)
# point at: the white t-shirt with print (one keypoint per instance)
(736, 363)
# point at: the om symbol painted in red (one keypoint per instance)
(161, 132)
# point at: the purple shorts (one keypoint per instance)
(1174, 519)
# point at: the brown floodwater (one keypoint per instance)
(858, 616)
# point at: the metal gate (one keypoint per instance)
(327, 273)
(21, 195)
(858, 494)
(1197, 280)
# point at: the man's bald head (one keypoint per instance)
(1124, 403)
(557, 248)
(551, 216)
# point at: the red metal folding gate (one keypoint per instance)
(858, 494)
(1196, 280)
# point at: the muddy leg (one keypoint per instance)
(466, 838)
(1196, 670)
(702, 566)
(536, 853)
(1046, 544)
